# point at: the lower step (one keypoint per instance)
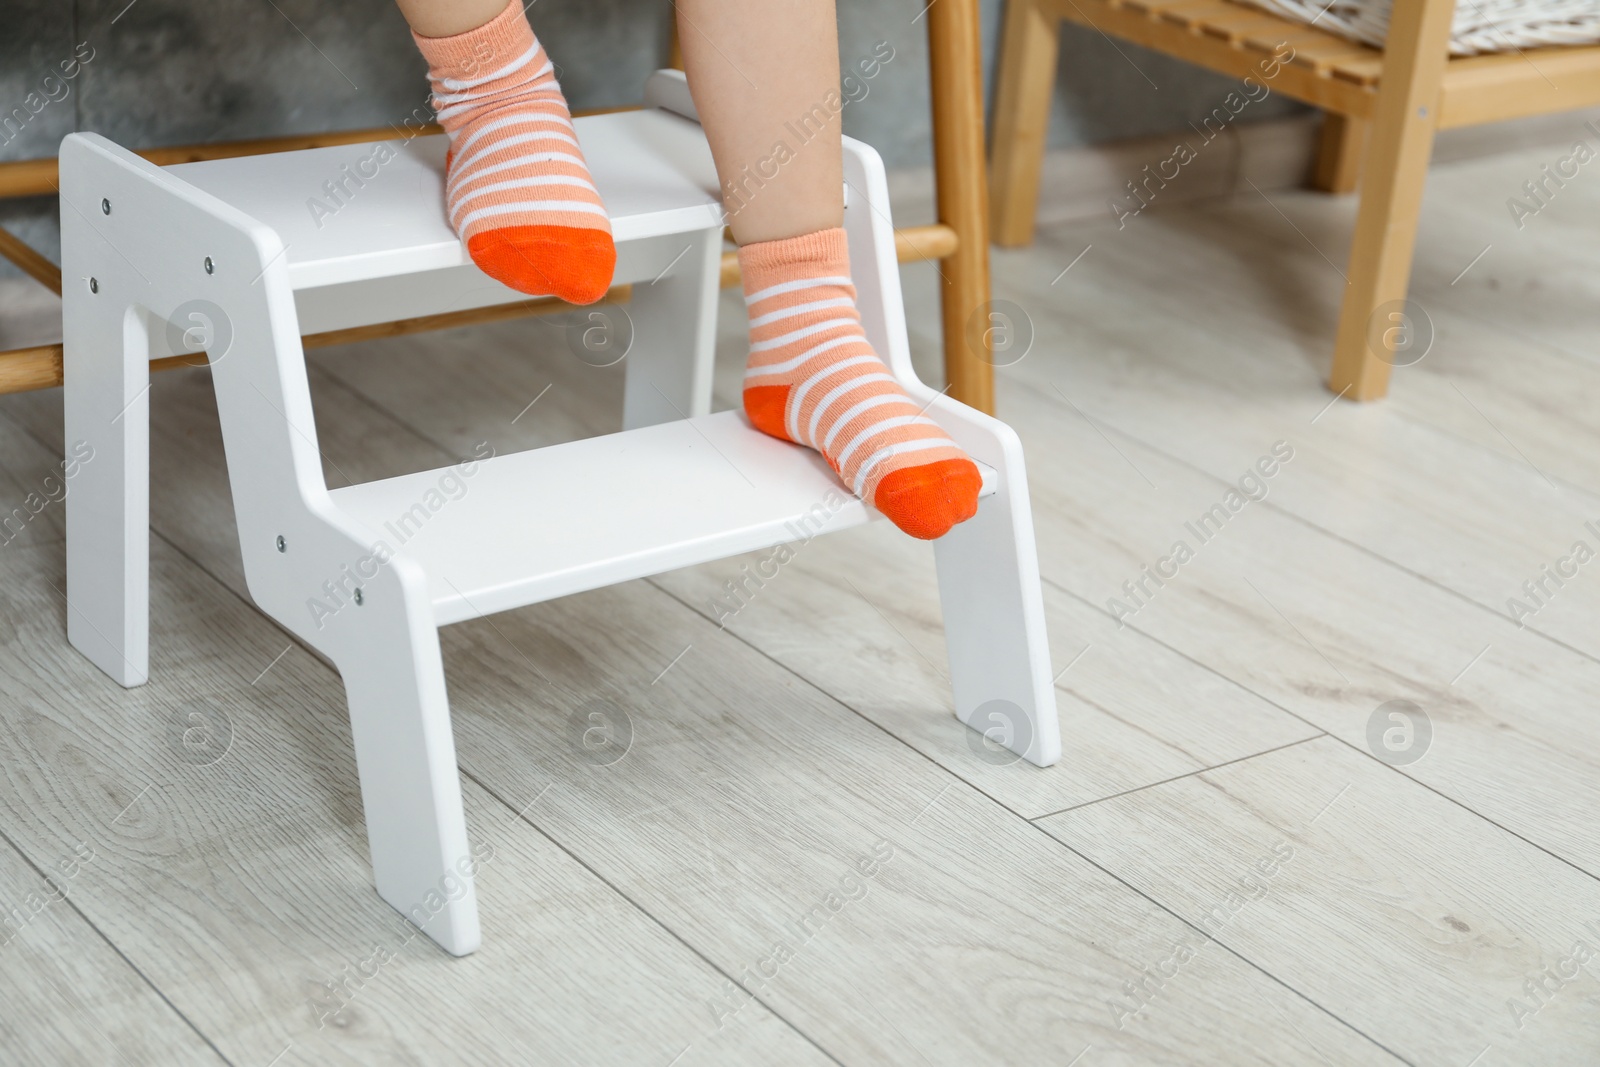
(499, 533)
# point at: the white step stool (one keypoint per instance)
(142, 244)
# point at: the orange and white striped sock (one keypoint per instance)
(518, 190)
(814, 379)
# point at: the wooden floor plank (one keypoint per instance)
(745, 800)
(1426, 927)
(1322, 628)
(689, 847)
(33, 483)
(237, 878)
(1537, 279)
(1471, 518)
(811, 785)
(1513, 366)
(511, 732)
(858, 616)
(765, 760)
(69, 998)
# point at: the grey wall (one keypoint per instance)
(181, 71)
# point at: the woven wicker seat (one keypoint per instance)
(1482, 27)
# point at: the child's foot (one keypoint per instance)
(518, 190)
(813, 378)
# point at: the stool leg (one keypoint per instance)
(410, 786)
(988, 566)
(994, 616)
(106, 373)
(674, 335)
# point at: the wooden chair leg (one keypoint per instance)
(1340, 146)
(1392, 180)
(1027, 78)
(956, 74)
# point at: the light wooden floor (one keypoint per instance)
(1220, 870)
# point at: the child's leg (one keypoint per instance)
(518, 190)
(765, 80)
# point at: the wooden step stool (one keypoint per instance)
(143, 246)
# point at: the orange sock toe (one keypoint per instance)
(925, 501)
(814, 379)
(571, 262)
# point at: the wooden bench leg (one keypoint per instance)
(1027, 78)
(1340, 146)
(956, 73)
(1391, 195)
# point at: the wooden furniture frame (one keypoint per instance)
(1384, 104)
(958, 242)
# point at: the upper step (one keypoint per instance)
(531, 526)
(653, 170)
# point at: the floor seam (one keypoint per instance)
(1002, 805)
(66, 899)
(659, 922)
(1179, 777)
(1354, 748)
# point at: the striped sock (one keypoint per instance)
(814, 379)
(518, 191)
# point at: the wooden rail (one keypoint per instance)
(25, 369)
(40, 177)
(1327, 71)
(32, 263)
